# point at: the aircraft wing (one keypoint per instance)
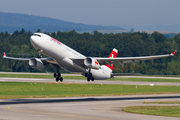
(121, 60)
(44, 60)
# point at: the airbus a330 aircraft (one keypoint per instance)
(62, 56)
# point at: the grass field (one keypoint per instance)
(169, 102)
(84, 78)
(35, 90)
(172, 111)
(147, 79)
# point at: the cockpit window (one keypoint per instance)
(36, 35)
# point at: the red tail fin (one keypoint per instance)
(113, 54)
(4, 55)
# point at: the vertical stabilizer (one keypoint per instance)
(113, 54)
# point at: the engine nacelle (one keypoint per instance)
(36, 63)
(92, 63)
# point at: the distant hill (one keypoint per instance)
(14, 21)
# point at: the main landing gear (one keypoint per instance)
(57, 75)
(89, 76)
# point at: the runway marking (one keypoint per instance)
(55, 114)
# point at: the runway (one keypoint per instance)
(95, 82)
(81, 108)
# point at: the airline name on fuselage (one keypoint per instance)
(54, 40)
(67, 48)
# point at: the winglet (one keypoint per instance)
(115, 50)
(173, 53)
(4, 55)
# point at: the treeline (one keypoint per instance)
(98, 45)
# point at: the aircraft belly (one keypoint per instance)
(68, 65)
(100, 74)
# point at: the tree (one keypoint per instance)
(38, 30)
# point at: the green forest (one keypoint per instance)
(135, 44)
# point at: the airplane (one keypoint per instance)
(62, 56)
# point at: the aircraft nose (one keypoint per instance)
(34, 40)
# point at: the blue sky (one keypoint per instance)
(100, 12)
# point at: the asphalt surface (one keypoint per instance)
(81, 108)
(85, 81)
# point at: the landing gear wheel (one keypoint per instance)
(86, 74)
(59, 75)
(54, 75)
(57, 79)
(90, 75)
(92, 79)
(88, 79)
(61, 79)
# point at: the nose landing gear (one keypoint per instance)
(39, 54)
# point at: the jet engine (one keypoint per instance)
(92, 63)
(36, 63)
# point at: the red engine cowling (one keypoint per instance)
(36, 63)
(92, 63)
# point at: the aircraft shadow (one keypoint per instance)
(51, 100)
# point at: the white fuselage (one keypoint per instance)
(63, 55)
